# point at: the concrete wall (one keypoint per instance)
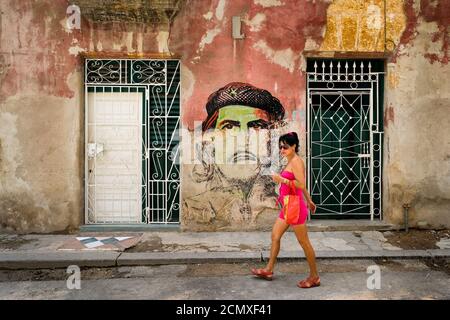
(40, 120)
(42, 110)
(41, 95)
(417, 117)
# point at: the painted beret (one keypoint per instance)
(239, 93)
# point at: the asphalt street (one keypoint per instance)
(341, 279)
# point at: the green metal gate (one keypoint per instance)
(345, 137)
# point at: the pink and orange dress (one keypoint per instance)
(285, 190)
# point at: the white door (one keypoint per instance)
(114, 157)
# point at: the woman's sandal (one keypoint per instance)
(261, 273)
(309, 283)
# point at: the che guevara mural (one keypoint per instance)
(230, 186)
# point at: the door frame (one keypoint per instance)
(142, 75)
(89, 89)
(323, 75)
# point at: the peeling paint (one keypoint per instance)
(311, 44)
(393, 77)
(417, 166)
(140, 42)
(63, 23)
(411, 11)
(38, 39)
(208, 38)
(187, 83)
(99, 46)
(419, 14)
(76, 50)
(163, 41)
(256, 22)
(374, 17)
(359, 26)
(269, 3)
(388, 115)
(208, 15)
(129, 42)
(438, 12)
(285, 58)
(228, 59)
(220, 9)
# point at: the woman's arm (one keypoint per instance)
(307, 195)
(299, 173)
(298, 168)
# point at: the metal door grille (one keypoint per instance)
(158, 82)
(345, 137)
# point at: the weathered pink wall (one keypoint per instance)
(269, 57)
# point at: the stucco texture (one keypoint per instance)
(417, 117)
(42, 110)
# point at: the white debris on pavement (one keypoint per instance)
(444, 243)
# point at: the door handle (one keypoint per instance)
(94, 149)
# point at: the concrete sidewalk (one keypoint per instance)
(160, 248)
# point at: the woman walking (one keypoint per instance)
(294, 171)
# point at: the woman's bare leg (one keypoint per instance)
(279, 228)
(301, 232)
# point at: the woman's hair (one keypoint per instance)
(290, 138)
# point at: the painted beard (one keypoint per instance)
(239, 171)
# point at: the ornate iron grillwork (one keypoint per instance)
(158, 82)
(345, 137)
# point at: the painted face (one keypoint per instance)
(238, 118)
(248, 131)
